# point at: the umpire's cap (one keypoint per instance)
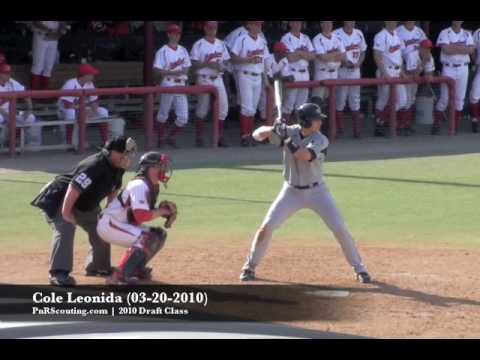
(309, 112)
(121, 144)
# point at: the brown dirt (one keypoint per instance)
(417, 293)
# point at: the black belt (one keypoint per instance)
(315, 184)
(211, 77)
(251, 73)
(178, 81)
(394, 67)
(329, 70)
(299, 70)
(455, 65)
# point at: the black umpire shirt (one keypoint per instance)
(95, 178)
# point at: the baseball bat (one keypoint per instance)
(277, 94)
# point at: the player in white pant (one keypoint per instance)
(172, 64)
(456, 46)
(276, 68)
(355, 46)
(387, 52)
(68, 106)
(475, 90)
(209, 56)
(249, 53)
(121, 223)
(412, 36)
(34, 133)
(300, 53)
(45, 51)
(304, 152)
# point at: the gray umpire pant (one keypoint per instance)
(98, 257)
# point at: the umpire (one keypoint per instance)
(74, 199)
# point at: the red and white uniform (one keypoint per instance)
(33, 133)
(230, 40)
(390, 46)
(411, 40)
(67, 104)
(354, 44)
(475, 90)
(326, 70)
(44, 51)
(250, 76)
(294, 98)
(114, 226)
(173, 59)
(272, 69)
(206, 51)
(454, 66)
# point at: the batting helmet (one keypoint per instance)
(307, 113)
(154, 158)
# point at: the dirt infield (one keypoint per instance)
(417, 293)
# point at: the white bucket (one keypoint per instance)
(116, 127)
(424, 110)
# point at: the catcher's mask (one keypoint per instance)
(127, 147)
(158, 160)
(307, 113)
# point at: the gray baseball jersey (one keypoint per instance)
(302, 173)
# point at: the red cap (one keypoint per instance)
(173, 29)
(2, 58)
(5, 69)
(426, 44)
(280, 47)
(211, 24)
(87, 69)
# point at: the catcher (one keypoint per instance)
(121, 222)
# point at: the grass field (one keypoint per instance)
(430, 201)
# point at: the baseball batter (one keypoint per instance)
(121, 223)
(355, 46)
(249, 53)
(300, 53)
(457, 46)
(387, 52)
(329, 54)
(34, 133)
(172, 64)
(209, 56)
(304, 152)
(68, 105)
(45, 51)
(475, 90)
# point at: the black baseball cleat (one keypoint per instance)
(247, 275)
(244, 142)
(100, 273)
(144, 273)
(61, 278)
(474, 127)
(364, 278)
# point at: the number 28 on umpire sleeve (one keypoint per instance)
(83, 180)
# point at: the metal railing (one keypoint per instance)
(148, 92)
(333, 84)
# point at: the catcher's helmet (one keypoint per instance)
(154, 158)
(307, 113)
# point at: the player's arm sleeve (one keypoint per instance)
(67, 100)
(379, 43)
(318, 149)
(319, 49)
(159, 62)
(139, 204)
(363, 43)
(310, 45)
(442, 39)
(188, 62)
(237, 47)
(470, 41)
(226, 54)
(194, 53)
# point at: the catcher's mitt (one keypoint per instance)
(172, 212)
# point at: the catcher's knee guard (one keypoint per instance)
(152, 241)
